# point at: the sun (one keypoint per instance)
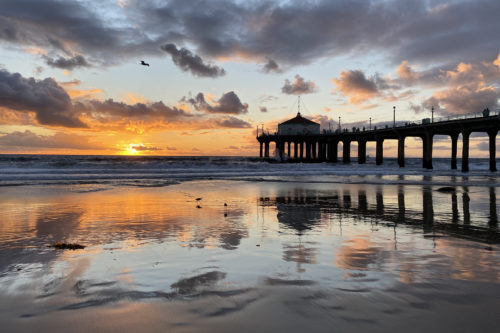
(130, 149)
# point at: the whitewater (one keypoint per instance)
(152, 171)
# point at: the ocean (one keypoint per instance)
(17, 170)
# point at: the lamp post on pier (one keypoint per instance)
(370, 123)
(394, 117)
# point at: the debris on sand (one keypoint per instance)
(447, 189)
(198, 206)
(68, 246)
(198, 199)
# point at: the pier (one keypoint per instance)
(323, 147)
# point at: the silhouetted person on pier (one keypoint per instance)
(144, 63)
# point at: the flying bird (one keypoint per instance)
(144, 63)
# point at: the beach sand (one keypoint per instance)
(278, 256)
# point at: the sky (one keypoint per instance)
(71, 81)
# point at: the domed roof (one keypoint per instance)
(299, 120)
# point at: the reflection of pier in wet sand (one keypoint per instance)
(303, 211)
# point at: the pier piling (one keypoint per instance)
(379, 158)
(492, 138)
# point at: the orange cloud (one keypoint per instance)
(354, 85)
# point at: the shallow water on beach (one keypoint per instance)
(280, 256)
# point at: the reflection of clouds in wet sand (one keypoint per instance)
(359, 253)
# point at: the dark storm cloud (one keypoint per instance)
(67, 63)
(50, 102)
(289, 32)
(229, 103)
(68, 27)
(187, 61)
(297, 32)
(298, 87)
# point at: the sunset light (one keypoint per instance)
(132, 149)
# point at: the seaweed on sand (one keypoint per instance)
(67, 246)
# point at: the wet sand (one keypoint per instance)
(280, 256)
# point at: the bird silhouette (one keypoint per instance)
(144, 63)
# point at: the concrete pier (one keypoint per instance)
(324, 147)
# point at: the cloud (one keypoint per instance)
(109, 109)
(406, 73)
(229, 103)
(463, 99)
(67, 63)
(38, 70)
(483, 146)
(267, 98)
(465, 88)
(262, 109)
(187, 61)
(24, 100)
(289, 32)
(28, 139)
(298, 87)
(356, 86)
(271, 66)
(65, 28)
(142, 147)
(497, 61)
(79, 94)
(230, 122)
(49, 101)
(325, 122)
